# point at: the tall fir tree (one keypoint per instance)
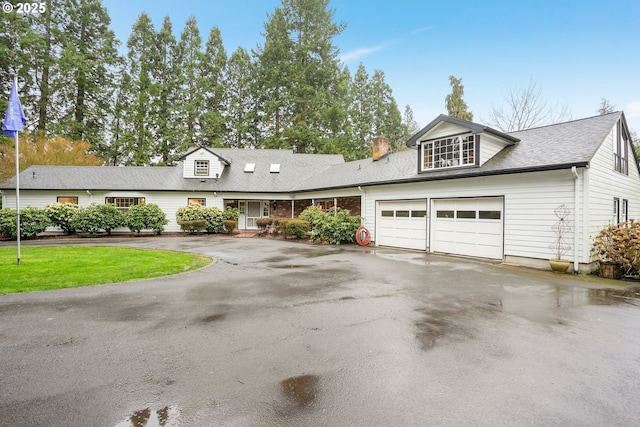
(213, 87)
(189, 59)
(137, 138)
(165, 101)
(241, 101)
(455, 105)
(361, 113)
(304, 33)
(88, 61)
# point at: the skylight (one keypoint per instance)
(275, 168)
(250, 167)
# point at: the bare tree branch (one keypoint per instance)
(526, 108)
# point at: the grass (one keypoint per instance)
(54, 267)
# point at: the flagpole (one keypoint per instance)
(17, 182)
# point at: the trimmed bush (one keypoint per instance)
(61, 215)
(281, 225)
(334, 227)
(264, 222)
(33, 221)
(297, 228)
(97, 217)
(147, 216)
(229, 225)
(8, 223)
(211, 215)
(193, 227)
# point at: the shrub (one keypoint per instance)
(33, 221)
(87, 220)
(212, 215)
(97, 217)
(297, 228)
(231, 213)
(193, 227)
(61, 215)
(147, 216)
(8, 223)
(335, 227)
(281, 225)
(229, 225)
(264, 222)
(312, 214)
(619, 244)
(109, 217)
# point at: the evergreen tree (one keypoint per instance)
(213, 87)
(605, 107)
(241, 102)
(409, 125)
(87, 63)
(309, 59)
(456, 106)
(137, 137)
(387, 120)
(165, 99)
(361, 113)
(190, 58)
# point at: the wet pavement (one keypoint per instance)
(279, 333)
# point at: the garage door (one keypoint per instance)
(471, 227)
(402, 224)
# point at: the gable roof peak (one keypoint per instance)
(475, 128)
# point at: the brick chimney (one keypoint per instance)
(380, 147)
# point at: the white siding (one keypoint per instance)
(530, 200)
(606, 183)
(444, 129)
(215, 165)
(489, 147)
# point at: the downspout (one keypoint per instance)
(576, 261)
(362, 203)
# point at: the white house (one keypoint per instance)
(462, 188)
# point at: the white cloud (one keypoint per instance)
(421, 30)
(633, 109)
(357, 54)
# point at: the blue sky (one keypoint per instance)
(577, 52)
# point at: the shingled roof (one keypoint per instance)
(550, 147)
(294, 168)
(545, 148)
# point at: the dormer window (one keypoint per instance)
(449, 152)
(201, 168)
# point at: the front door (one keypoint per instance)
(254, 211)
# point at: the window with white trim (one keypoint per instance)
(197, 201)
(124, 203)
(68, 199)
(621, 149)
(624, 214)
(616, 210)
(201, 168)
(449, 152)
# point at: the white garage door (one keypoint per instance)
(471, 227)
(402, 224)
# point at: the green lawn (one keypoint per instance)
(55, 267)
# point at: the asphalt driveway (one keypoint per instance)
(283, 333)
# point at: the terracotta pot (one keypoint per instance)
(559, 265)
(610, 270)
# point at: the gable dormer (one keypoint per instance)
(448, 143)
(203, 163)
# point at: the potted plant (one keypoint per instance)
(559, 245)
(617, 248)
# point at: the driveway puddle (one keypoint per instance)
(436, 324)
(301, 390)
(214, 318)
(169, 416)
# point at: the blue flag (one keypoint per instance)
(14, 118)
